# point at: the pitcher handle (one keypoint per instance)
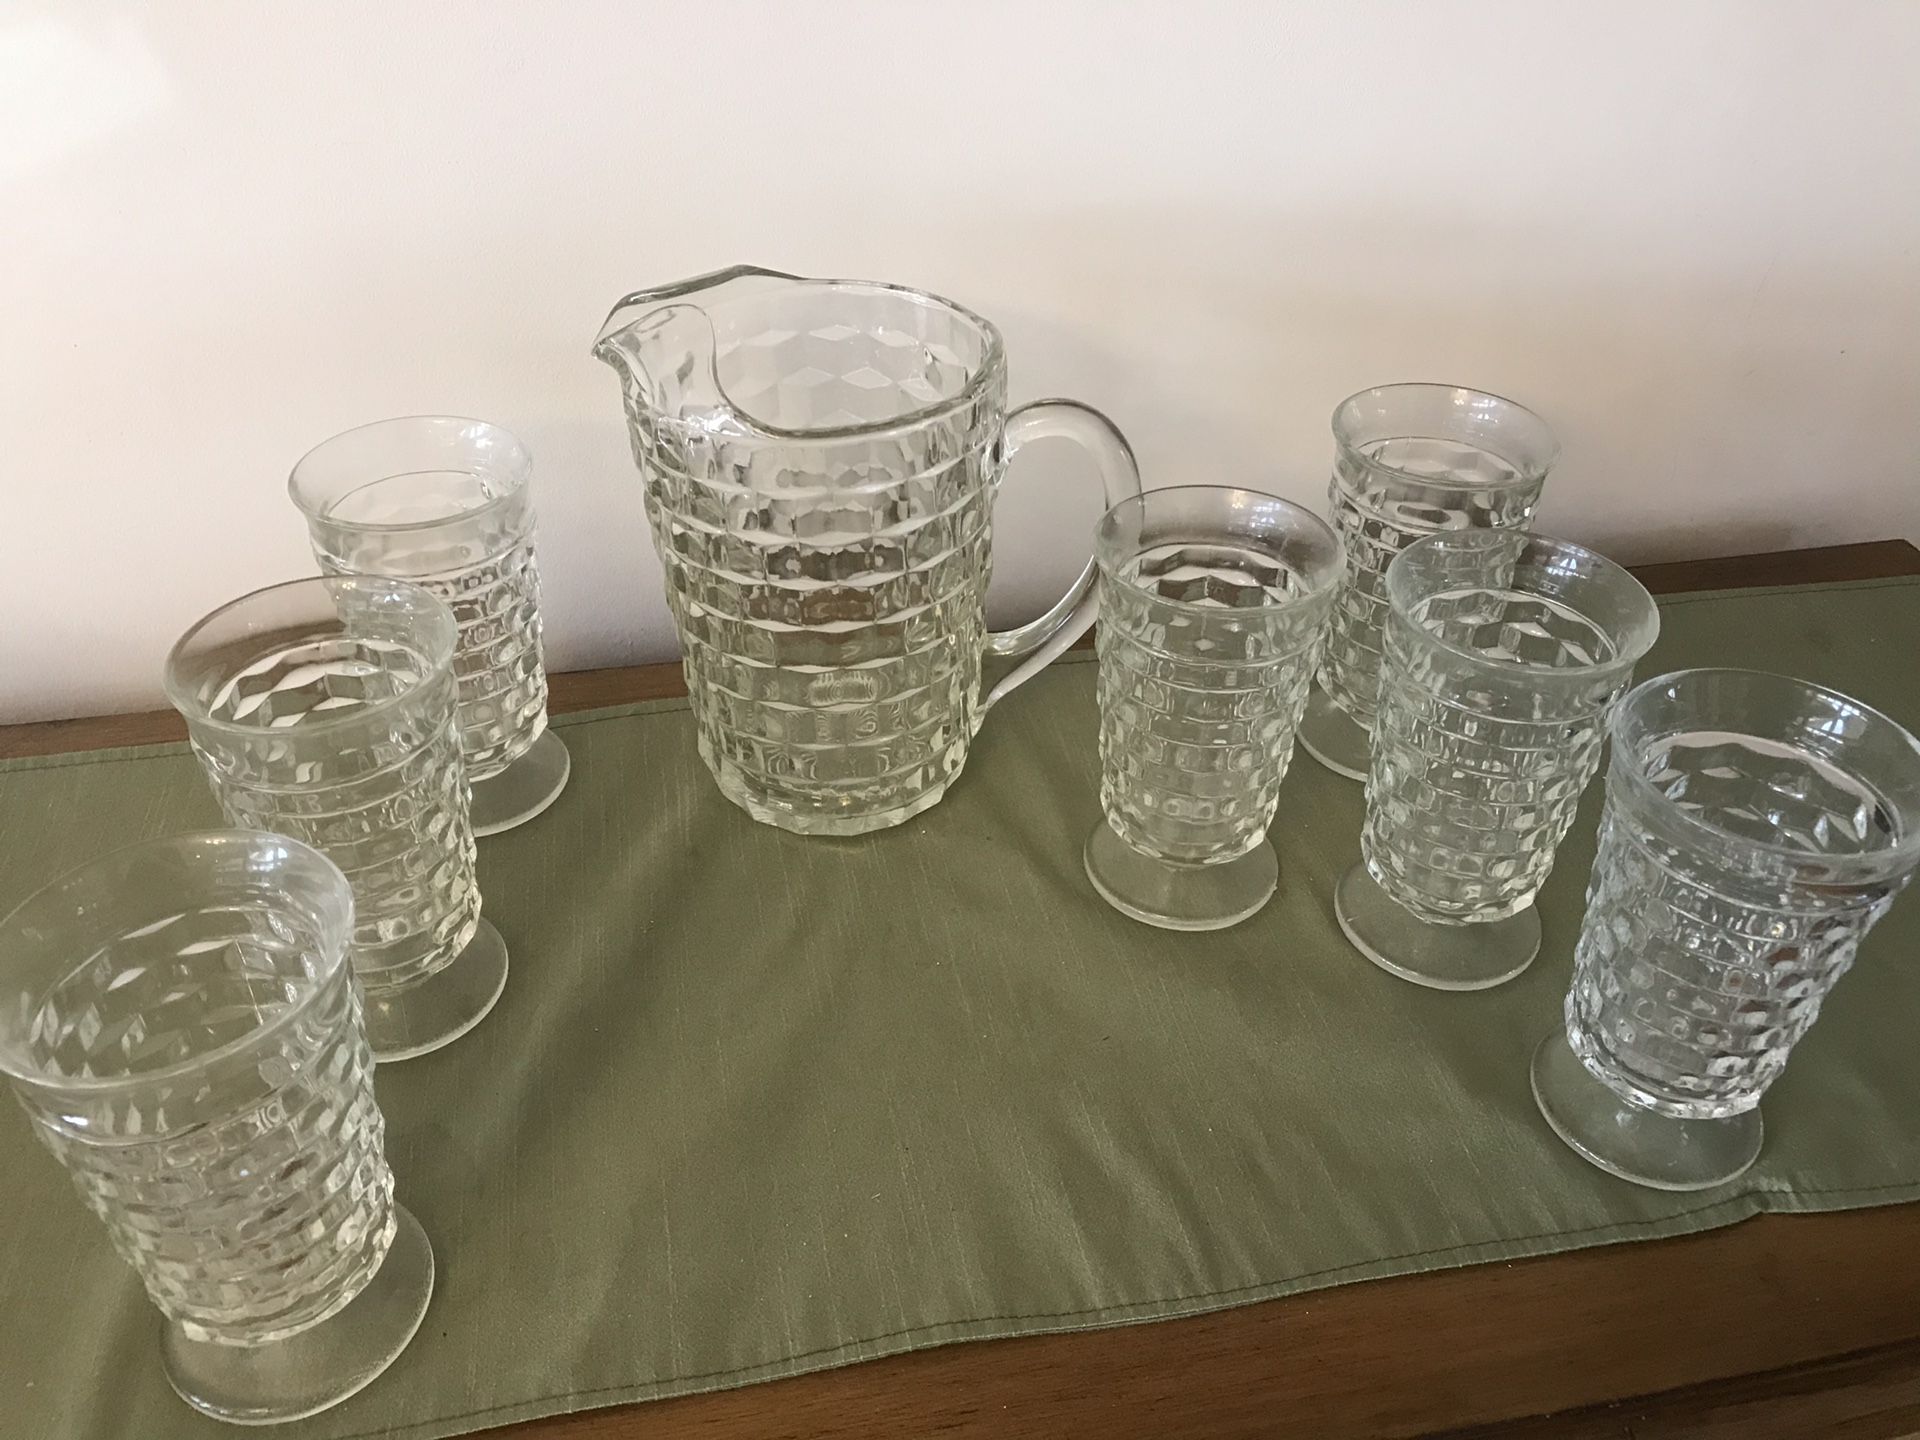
(1042, 640)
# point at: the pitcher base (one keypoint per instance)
(812, 816)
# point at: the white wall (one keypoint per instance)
(1688, 233)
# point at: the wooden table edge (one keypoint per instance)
(1874, 1394)
(1378, 1357)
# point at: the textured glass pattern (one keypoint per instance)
(443, 502)
(823, 509)
(821, 459)
(1206, 650)
(280, 1152)
(832, 631)
(1707, 950)
(1410, 460)
(200, 1070)
(1503, 655)
(340, 733)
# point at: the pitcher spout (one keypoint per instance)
(661, 341)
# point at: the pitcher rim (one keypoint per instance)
(992, 361)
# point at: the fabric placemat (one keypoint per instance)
(755, 1104)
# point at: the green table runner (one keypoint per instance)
(755, 1104)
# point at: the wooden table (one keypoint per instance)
(1781, 1326)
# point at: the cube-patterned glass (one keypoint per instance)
(323, 709)
(1756, 828)
(180, 1022)
(821, 460)
(1504, 653)
(1410, 460)
(443, 501)
(1213, 607)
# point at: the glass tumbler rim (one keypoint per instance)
(1323, 572)
(1525, 473)
(1897, 857)
(440, 635)
(1629, 654)
(62, 900)
(307, 487)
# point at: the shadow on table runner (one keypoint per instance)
(755, 1104)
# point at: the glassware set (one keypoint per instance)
(192, 1024)
(1755, 828)
(820, 459)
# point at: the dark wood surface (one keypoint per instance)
(1781, 1326)
(1685, 1331)
(1866, 1395)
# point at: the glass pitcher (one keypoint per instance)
(821, 459)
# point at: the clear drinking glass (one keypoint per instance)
(1504, 651)
(443, 501)
(324, 709)
(821, 460)
(1409, 460)
(1756, 828)
(181, 1025)
(1213, 604)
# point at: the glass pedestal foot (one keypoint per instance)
(1179, 897)
(1630, 1141)
(320, 1367)
(1334, 738)
(522, 790)
(1442, 957)
(408, 1020)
